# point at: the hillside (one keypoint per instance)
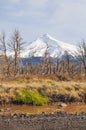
(48, 44)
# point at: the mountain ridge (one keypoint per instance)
(54, 47)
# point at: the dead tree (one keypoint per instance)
(81, 55)
(15, 45)
(67, 60)
(45, 60)
(3, 50)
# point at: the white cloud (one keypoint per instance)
(68, 11)
(30, 3)
(14, 1)
(65, 17)
(26, 8)
(37, 3)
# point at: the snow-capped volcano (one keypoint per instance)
(47, 43)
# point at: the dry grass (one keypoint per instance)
(57, 90)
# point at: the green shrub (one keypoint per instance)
(30, 97)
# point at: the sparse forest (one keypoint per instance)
(11, 63)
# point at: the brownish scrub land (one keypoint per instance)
(52, 89)
(42, 103)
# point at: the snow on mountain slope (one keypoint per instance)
(52, 46)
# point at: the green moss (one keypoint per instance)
(30, 97)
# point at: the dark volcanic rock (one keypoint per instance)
(56, 121)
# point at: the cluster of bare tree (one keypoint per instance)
(11, 65)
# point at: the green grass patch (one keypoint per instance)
(31, 97)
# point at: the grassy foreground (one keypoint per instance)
(36, 90)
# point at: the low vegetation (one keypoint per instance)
(30, 97)
(36, 90)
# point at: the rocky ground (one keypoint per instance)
(54, 121)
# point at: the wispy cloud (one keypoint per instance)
(64, 19)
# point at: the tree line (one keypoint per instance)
(10, 65)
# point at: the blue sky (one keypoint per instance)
(63, 19)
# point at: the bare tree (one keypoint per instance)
(45, 60)
(67, 60)
(82, 54)
(16, 46)
(3, 47)
(3, 50)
